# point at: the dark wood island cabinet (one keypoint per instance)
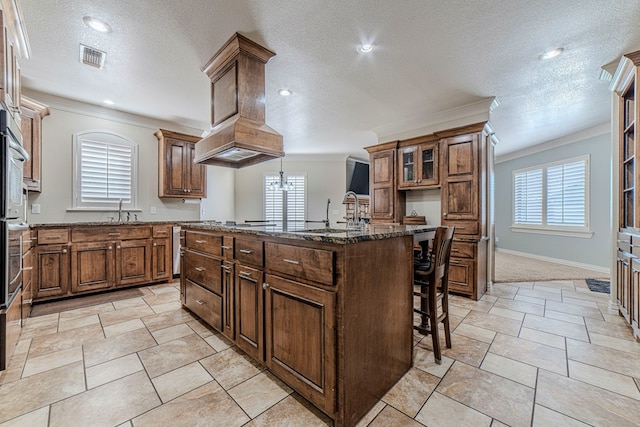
(322, 311)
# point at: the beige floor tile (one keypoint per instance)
(462, 302)
(23, 346)
(180, 381)
(86, 311)
(532, 300)
(543, 338)
(557, 327)
(45, 362)
(455, 310)
(531, 353)
(510, 369)
(510, 403)
(585, 402)
(96, 352)
(77, 322)
(546, 287)
(609, 329)
(442, 411)
(219, 342)
(475, 333)
(37, 418)
(113, 370)
(556, 284)
(123, 327)
(503, 291)
(604, 378)
(167, 334)
(166, 307)
(200, 328)
(488, 298)
(127, 424)
(549, 296)
(580, 302)
(578, 310)
(44, 344)
(411, 391)
(586, 295)
(41, 321)
(493, 323)
(23, 396)
(165, 288)
(544, 417)
(464, 349)
(171, 318)
(107, 405)
(231, 367)
(208, 405)
(174, 354)
(124, 315)
(293, 411)
(616, 343)
(259, 393)
(129, 303)
(424, 359)
(391, 417)
(604, 357)
(524, 285)
(370, 416)
(496, 423)
(509, 314)
(570, 318)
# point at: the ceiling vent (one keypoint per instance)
(92, 56)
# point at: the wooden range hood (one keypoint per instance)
(239, 135)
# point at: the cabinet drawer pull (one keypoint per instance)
(291, 261)
(27, 241)
(200, 268)
(114, 234)
(27, 268)
(199, 302)
(226, 247)
(246, 251)
(226, 268)
(245, 273)
(201, 241)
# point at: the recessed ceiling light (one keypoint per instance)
(97, 24)
(108, 102)
(551, 53)
(365, 48)
(285, 92)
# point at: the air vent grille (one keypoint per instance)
(92, 56)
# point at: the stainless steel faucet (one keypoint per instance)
(120, 211)
(355, 222)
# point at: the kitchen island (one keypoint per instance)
(327, 311)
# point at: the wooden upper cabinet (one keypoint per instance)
(460, 187)
(178, 175)
(418, 164)
(31, 123)
(14, 45)
(386, 203)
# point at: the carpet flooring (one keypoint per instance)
(515, 268)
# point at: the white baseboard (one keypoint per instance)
(599, 269)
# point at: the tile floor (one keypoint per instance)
(526, 354)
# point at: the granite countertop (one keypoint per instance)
(318, 234)
(100, 224)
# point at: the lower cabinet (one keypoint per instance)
(249, 305)
(52, 270)
(204, 303)
(228, 294)
(92, 266)
(468, 267)
(301, 339)
(628, 279)
(133, 262)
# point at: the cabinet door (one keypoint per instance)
(462, 275)
(31, 126)
(623, 276)
(52, 270)
(175, 176)
(407, 166)
(634, 298)
(162, 264)
(92, 266)
(27, 290)
(382, 186)
(460, 178)
(196, 173)
(133, 262)
(301, 339)
(249, 311)
(228, 280)
(429, 165)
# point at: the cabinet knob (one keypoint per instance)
(110, 247)
(155, 244)
(64, 251)
(118, 247)
(265, 286)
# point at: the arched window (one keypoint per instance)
(105, 171)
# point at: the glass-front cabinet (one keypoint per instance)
(418, 164)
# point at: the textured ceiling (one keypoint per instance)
(430, 56)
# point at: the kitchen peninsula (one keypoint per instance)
(327, 311)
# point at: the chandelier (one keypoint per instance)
(281, 184)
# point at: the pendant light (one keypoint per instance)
(281, 184)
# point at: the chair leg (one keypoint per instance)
(447, 328)
(433, 319)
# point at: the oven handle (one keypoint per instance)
(20, 149)
(17, 227)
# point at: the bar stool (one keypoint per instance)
(431, 274)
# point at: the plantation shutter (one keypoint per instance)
(528, 197)
(566, 191)
(274, 201)
(105, 171)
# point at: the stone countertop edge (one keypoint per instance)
(102, 224)
(376, 232)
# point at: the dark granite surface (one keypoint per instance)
(318, 234)
(99, 224)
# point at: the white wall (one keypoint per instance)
(326, 179)
(69, 117)
(426, 203)
(593, 251)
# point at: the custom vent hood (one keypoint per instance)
(239, 135)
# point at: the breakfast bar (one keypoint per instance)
(328, 311)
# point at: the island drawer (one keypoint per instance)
(205, 304)
(203, 270)
(624, 242)
(53, 235)
(249, 251)
(162, 231)
(466, 228)
(462, 249)
(204, 242)
(306, 263)
(227, 247)
(105, 234)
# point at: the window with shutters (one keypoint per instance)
(105, 171)
(553, 196)
(285, 208)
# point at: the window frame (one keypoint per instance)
(583, 231)
(112, 138)
(271, 177)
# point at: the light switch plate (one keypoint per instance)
(152, 210)
(35, 208)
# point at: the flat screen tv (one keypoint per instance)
(357, 176)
